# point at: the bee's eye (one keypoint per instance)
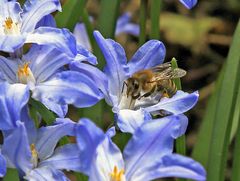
(135, 85)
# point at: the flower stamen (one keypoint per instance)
(117, 175)
(10, 27)
(34, 158)
(25, 75)
(8, 23)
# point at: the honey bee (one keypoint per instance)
(158, 79)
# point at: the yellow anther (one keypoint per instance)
(8, 23)
(25, 75)
(117, 175)
(23, 70)
(34, 153)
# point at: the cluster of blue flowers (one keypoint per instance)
(48, 64)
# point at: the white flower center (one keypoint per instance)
(9, 27)
(25, 75)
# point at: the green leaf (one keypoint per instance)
(155, 15)
(236, 155)
(48, 116)
(142, 23)
(12, 174)
(218, 121)
(235, 119)
(201, 149)
(70, 14)
(181, 141)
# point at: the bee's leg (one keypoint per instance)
(148, 93)
(136, 96)
(145, 95)
(124, 83)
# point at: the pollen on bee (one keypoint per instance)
(117, 175)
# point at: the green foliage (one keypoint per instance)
(70, 14)
(181, 141)
(155, 14)
(47, 115)
(186, 31)
(219, 116)
(11, 175)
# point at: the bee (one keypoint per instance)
(158, 79)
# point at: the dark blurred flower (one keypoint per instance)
(189, 3)
(123, 26)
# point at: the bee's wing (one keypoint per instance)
(169, 73)
(161, 67)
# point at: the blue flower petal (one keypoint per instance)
(35, 10)
(108, 156)
(46, 173)
(29, 125)
(174, 165)
(60, 109)
(10, 9)
(81, 36)
(62, 39)
(47, 20)
(98, 153)
(12, 100)
(189, 3)
(64, 157)
(45, 61)
(69, 87)
(88, 138)
(10, 43)
(85, 55)
(8, 68)
(150, 54)
(3, 165)
(130, 120)
(152, 140)
(116, 63)
(49, 136)
(178, 104)
(16, 148)
(94, 73)
(124, 25)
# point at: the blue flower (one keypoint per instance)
(147, 156)
(18, 26)
(2, 165)
(32, 152)
(118, 70)
(123, 26)
(42, 69)
(189, 3)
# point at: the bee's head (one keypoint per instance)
(132, 86)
